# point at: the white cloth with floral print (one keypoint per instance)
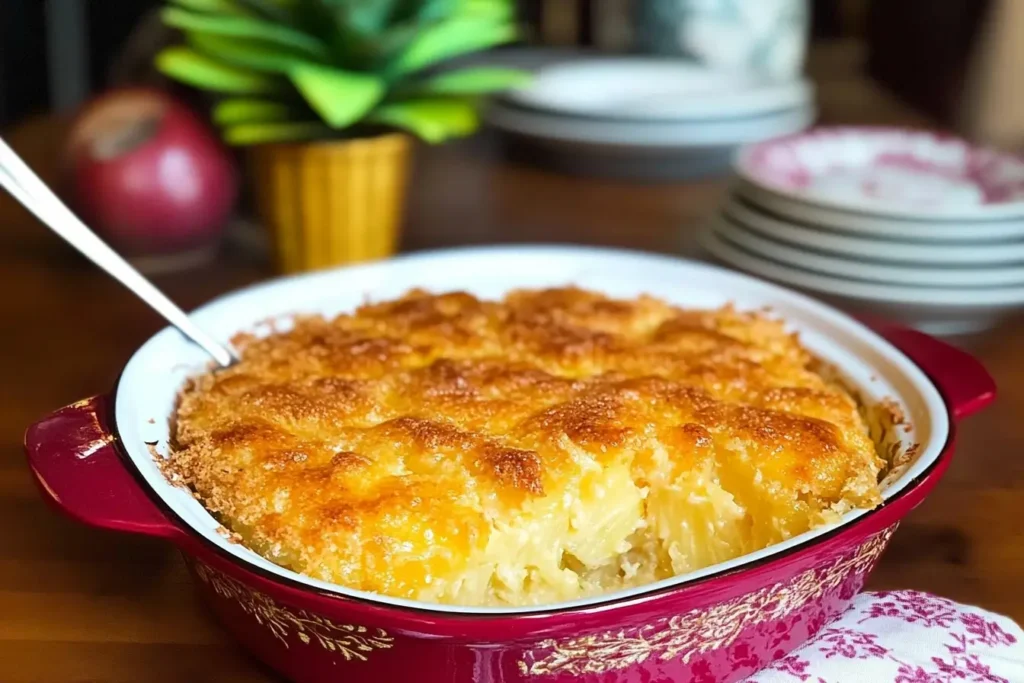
(907, 637)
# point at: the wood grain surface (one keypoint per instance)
(86, 606)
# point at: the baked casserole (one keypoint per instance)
(550, 446)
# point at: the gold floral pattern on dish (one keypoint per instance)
(354, 643)
(700, 630)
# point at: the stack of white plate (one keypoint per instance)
(919, 227)
(652, 117)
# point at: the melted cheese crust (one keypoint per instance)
(550, 446)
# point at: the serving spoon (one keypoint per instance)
(25, 186)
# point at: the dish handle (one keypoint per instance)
(77, 466)
(960, 377)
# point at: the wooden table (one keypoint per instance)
(82, 605)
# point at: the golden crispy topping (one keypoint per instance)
(548, 446)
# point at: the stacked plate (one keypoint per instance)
(919, 227)
(648, 117)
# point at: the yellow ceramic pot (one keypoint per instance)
(333, 202)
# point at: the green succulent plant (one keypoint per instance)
(309, 69)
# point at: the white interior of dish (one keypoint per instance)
(154, 375)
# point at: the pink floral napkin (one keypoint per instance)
(907, 637)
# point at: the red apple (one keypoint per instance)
(148, 174)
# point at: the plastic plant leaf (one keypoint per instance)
(238, 110)
(366, 17)
(450, 39)
(263, 133)
(433, 10)
(340, 97)
(432, 119)
(244, 27)
(438, 10)
(495, 10)
(251, 54)
(214, 6)
(277, 10)
(200, 71)
(364, 32)
(473, 81)
(379, 49)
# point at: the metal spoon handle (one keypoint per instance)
(25, 186)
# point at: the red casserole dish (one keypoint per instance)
(92, 461)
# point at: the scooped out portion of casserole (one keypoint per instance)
(553, 445)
